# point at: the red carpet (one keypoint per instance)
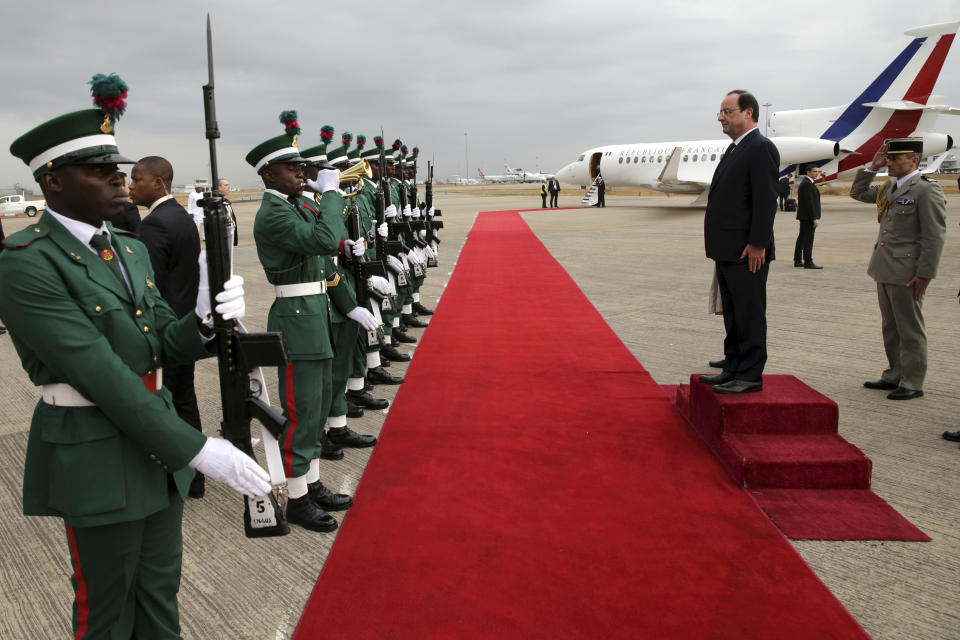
(532, 481)
(783, 446)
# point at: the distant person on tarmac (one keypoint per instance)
(601, 189)
(783, 189)
(554, 188)
(543, 194)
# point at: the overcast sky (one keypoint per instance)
(531, 83)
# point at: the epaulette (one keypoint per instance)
(123, 232)
(24, 237)
(923, 177)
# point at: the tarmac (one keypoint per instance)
(641, 263)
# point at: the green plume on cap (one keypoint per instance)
(416, 151)
(346, 138)
(378, 141)
(289, 120)
(361, 140)
(109, 93)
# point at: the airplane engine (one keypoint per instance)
(934, 143)
(794, 150)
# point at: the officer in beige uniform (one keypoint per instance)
(911, 212)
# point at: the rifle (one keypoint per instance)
(239, 354)
(392, 245)
(363, 269)
(429, 224)
(380, 200)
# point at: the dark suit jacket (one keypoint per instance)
(808, 200)
(129, 220)
(174, 245)
(783, 187)
(742, 201)
(554, 186)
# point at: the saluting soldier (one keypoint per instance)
(107, 452)
(911, 210)
(346, 316)
(291, 245)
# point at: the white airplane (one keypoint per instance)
(840, 140)
(526, 176)
(507, 177)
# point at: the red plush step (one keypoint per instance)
(785, 406)
(824, 461)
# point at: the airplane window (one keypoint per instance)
(643, 159)
(694, 157)
(636, 159)
(684, 158)
(659, 159)
(621, 161)
(713, 157)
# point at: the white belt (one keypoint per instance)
(300, 289)
(60, 394)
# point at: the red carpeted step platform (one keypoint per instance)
(783, 445)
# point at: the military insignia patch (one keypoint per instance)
(904, 201)
(149, 283)
(129, 250)
(106, 255)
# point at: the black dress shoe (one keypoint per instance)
(328, 450)
(366, 385)
(797, 265)
(811, 265)
(328, 500)
(904, 393)
(347, 437)
(738, 386)
(879, 384)
(718, 364)
(421, 310)
(197, 486)
(720, 378)
(305, 512)
(412, 321)
(378, 375)
(353, 410)
(365, 400)
(399, 337)
(389, 352)
(952, 436)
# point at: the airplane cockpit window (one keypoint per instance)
(582, 156)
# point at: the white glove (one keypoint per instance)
(394, 264)
(222, 461)
(429, 251)
(364, 318)
(203, 293)
(379, 284)
(431, 212)
(327, 180)
(406, 210)
(415, 213)
(390, 212)
(422, 234)
(231, 304)
(413, 257)
(353, 248)
(383, 230)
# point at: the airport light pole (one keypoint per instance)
(466, 158)
(766, 123)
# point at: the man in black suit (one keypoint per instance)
(808, 213)
(554, 188)
(601, 191)
(738, 235)
(129, 220)
(174, 247)
(783, 189)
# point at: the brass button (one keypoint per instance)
(881, 244)
(908, 255)
(153, 456)
(146, 329)
(139, 313)
(155, 360)
(165, 468)
(36, 230)
(298, 310)
(97, 308)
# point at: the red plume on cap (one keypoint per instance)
(290, 124)
(397, 144)
(361, 141)
(109, 94)
(346, 138)
(416, 151)
(378, 141)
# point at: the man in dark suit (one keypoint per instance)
(554, 188)
(174, 246)
(738, 235)
(129, 220)
(225, 191)
(601, 192)
(808, 213)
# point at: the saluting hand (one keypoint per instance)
(879, 158)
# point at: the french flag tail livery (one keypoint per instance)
(898, 103)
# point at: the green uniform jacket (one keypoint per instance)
(291, 244)
(366, 203)
(340, 286)
(912, 230)
(72, 321)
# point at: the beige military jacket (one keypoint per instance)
(913, 226)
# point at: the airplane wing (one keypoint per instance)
(674, 175)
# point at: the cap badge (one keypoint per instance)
(106, 127)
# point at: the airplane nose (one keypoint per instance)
(566, 174)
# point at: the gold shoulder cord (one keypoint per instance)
(882, 202)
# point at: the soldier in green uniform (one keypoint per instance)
(106, 451)
(911, 211)
(346, 317)
(291, 245)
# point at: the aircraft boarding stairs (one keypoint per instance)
(591, 197)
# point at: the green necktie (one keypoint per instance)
(101, 242)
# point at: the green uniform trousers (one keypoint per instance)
(344, 346)
(126, 576)
(904, 335)
(305, 398)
